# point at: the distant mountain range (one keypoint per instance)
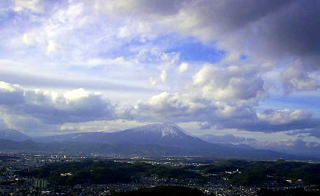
(149, 140)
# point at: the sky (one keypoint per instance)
(233, 69)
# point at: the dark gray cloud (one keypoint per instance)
(295, 29)
(92, 107)
(276, 28)
(287, 26)
(163, 7)
(282, 32)
(232, 15)
(272, 30)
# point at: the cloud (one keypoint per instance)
(29, 125)
(33, 5)
(228, 139)
(283, 116)
(268, 28)
(255, 50)
(50, 30)
(284, 120)
(139, 8)
(183, 67)
(233, 83)
(312, 132)
(109, 125)
(264, 30)
(17, 73)
(275, 121)
(292, 146)
(2, 124)
(163, 76)
(220, 115)
(297, 146)
(315, 133)
(166, 107)
(52, 46)
(295, 77)
(10, 94)
(163, 61)
(73, 106)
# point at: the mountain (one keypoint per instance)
(154, 134)
(154, 140)
(9, 134)
(149, 140)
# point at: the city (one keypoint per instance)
(35, 174)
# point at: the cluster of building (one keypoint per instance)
(14, 185)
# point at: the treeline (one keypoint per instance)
(239, 172)
(104, 172)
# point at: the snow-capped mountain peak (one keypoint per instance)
(165, 130)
